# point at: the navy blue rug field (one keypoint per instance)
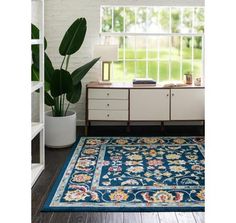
(131, 174)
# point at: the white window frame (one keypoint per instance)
(148, 34)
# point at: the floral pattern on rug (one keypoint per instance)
(133, 172)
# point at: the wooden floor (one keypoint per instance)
(55, 159)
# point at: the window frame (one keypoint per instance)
(146, 34)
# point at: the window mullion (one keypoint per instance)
(170, 23)
(158, 59)
(135, 42)
(146, 46)
(181, 46)
(181, 58)
(192, 54)
(124, 60)
(112, 19)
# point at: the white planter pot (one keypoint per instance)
(60, 131)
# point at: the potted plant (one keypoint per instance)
(62, 88)
(188, 78)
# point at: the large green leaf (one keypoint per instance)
(79, 73)
(35, 35)
(34, 73)
(48, 68)
(75, 94)
(35, 77)
(61, 83)
(73, 37)
(48, 99)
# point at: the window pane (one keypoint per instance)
(140, 47)
(199, 20)
(141, 69)
(164, 71)
(187, 47)
(152, 20)
(152, 45)
(118, 22)
(164, 48)
(141, 19)
(106, 19)
(118, 71)
(175, 49)
(152, 69)
(187, 20)
(175, 20)
(164, 20)
(197, 68)
(130, 71)
(130, 20)
(187, 66)
(175, 70)
(197, 47)
(130, 47)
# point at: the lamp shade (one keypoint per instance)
(106, 52)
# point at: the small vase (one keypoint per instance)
(188, 79)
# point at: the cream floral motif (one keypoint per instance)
(93, 141)
(135, 169)
(121, 141)
(158, 197)
(177, 162)
(81, 178)
(201, 194)
(197, 167)
(85, 162)
(192, 157)
(155, 162)
(177, 168)
(152, 140)
(172, 156)
(89, 151)
(130, 182)
(153, 152)
(135, 157)
(75, 195)
(131, 163)
(179, 141)
(118, 195)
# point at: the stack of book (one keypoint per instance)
(139, 82)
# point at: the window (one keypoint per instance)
(162, 43)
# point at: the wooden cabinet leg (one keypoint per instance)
(162, 127)
(128, 127)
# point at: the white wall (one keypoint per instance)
(59, 14)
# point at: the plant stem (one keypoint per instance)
(67, 61)
(63, 62)
(67, 108)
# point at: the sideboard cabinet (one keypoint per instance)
(123, 102)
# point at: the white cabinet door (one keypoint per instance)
(187, 104)
(149, 104)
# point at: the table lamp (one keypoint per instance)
(107, 53)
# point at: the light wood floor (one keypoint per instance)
(55, 159)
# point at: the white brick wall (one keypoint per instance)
(59, 14)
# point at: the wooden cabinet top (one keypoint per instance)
(129, 86)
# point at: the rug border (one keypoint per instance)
(46, 207)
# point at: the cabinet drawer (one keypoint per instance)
(107, 115)
(108, 93)
(108, 104)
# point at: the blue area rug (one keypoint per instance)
(131, 174)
